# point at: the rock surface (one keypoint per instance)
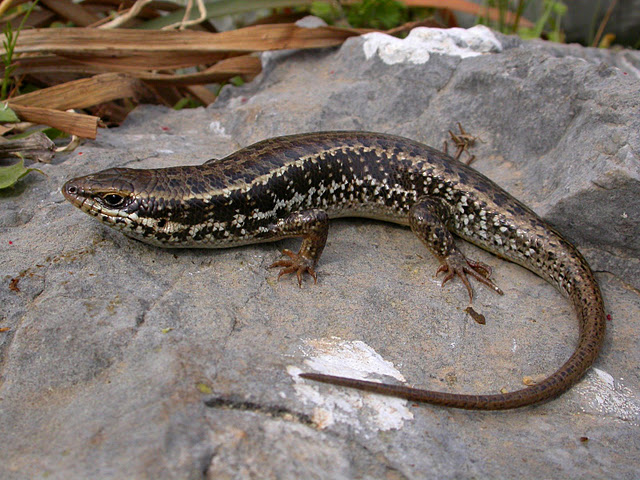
(120, 360)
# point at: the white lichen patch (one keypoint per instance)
(355, 359)
(216, 128)
(418, 46)
(608, 396)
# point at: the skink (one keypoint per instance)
(291, 186)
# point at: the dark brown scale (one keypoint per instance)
(290, 186)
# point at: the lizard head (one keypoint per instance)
(106, 195)
(121, 198)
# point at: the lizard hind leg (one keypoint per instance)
(457, 264)
(426, 220)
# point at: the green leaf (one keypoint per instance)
(559, 8)
(11, 174)
(383, 14)
(325, 10)
(180, 104)
(186, 102)
(236, 81)
(7, 115)
(54, 133)
(50, 132)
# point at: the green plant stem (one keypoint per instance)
(519, 10)
(603, 23)
(9, 44)
(503, 5)
(542, 21)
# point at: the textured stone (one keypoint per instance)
(123, 360)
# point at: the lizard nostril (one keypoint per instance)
(72, 189)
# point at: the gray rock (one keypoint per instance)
(128, 361)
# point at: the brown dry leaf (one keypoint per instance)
(126, 42)
(54, 64)
(146, 60)
(13, 284)
(83, 93)
(85, 126)
(70, 11)
(37, 19)
(36, 146)
(478, 317)
(125, 50)
(202, 94)
(122, 61)
(246, 66)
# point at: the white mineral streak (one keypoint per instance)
(422, 42)
(609, 397)
(354, 359)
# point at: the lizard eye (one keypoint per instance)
(113, 200)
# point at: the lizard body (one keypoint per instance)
(291, 186)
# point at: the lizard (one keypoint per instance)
(291, 186)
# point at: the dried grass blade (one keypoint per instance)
(146, 61)
(52, 64)
(37, 19)
(36, 141)
(36, 146)
(201, 93)
(123, 42)
(83, 93)
(71, 11)
(246, 66)
(85, 126)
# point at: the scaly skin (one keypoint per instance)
(290, 187)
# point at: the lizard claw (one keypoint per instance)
(298, 264)
(457, 264)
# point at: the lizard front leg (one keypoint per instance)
(313, 226)
(427, 220)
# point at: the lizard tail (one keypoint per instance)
(585, 295)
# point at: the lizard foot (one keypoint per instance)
(298, 264)
(457, 264)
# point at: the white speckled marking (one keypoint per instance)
(353, 359)
(418, 46)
